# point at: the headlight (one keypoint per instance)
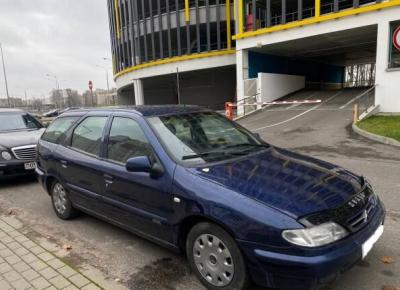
(6, 156)
(315, 236)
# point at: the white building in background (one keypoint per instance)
(210, 52)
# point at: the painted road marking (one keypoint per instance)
(299, 115)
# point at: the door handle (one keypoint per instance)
(64, 163)
(108, 179)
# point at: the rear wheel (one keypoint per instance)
(61, 203)
(215, 258)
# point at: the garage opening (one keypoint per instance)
(209, 87)
(313, 67)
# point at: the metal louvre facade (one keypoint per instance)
(147, 31)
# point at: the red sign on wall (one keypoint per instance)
(396, 38)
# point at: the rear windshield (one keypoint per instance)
(17, 122)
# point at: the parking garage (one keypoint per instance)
(291, 54)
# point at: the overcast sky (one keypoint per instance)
(66, 38)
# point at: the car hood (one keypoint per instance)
(20, 138)
(292, 183)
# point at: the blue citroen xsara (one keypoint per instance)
(185, 177)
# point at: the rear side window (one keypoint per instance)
(126, 140)
(87, 135)
(58, 128)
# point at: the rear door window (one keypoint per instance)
(88, 134)
(58, 128)
(126, 140)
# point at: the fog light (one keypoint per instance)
(6, 156)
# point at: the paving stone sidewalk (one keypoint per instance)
(26, 265)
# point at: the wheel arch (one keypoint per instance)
(190, 221)
(49, 182)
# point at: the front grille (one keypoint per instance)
(363, 216)
(352, 215)
(25, 152)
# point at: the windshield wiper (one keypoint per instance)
(204, 154)
(247, 144)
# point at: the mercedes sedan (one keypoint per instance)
(19, 134)
(241, 210)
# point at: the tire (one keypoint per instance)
(215, 258)
(62, 205)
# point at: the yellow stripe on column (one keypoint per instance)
(240, 16)
(116, 8)
(317, 8)
(228, 23)
(187, 11)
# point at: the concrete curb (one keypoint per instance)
(374, 137)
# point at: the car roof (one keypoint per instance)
(145, 110)
(7, 110)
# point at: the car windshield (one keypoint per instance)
(198, 138)
(17, 122)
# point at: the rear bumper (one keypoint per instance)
(14, 168)
(314, 267)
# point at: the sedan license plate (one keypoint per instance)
(367, 246)
(30, 165)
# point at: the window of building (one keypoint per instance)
(394, 55)
(87, 135)
(126, 140)
(58, 128)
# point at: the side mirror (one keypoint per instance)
(258, 136)
(143, 164)
(138, 164)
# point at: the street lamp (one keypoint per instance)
(5, 76)
(106, 70)
(54, 77)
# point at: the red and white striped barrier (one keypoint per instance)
(229, 106)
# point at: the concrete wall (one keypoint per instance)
(274, 86)
(387, 92)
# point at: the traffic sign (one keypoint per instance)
(396, 38)
(90, 85)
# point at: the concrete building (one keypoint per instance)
(211, 51)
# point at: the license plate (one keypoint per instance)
(367, 246)
(30, 165)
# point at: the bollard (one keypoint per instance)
(355, 113)
(229, 110)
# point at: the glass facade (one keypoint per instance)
(143, 31)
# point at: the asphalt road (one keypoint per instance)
(322, 132)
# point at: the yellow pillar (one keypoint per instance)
(117, 25)
(241, 16)
(187, 11)
(228, 23)
(317, 8)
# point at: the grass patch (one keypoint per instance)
(388, 126)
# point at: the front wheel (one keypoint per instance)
(215, 258)
(61, 203)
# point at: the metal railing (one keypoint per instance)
(364, 104)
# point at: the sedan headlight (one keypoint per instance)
(315, 236)
(6, 155)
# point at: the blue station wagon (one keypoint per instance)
(241, 210)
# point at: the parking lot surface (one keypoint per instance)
(322, 131)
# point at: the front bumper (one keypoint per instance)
(312, 268)
(14, 168)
